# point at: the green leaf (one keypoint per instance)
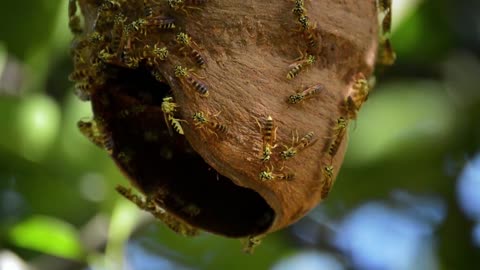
(48, 235)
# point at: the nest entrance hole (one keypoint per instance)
(166, 167)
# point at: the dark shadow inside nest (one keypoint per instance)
(158, 163)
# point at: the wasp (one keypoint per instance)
(77, 56)
(163, 23)
(106, 55)
(118, 32)
(113, 52)
(266, 152)
(112, 5)
(175, 4)
(304, 22)
(125, 158)
(299, 8)
(83, 90)
(154, 205)
(158, 76)
(186, 42)
(97, 65)
(266, 175)
(79, 74)
(168, 108)
(305, 94)
(269, 136)
(327, 181)
(157, 54)
(147, 9)
(74, 22)
(269, 131)
(132, 56)
(177, 225)
(305, 141)
(183, 74)
(339, 132)
(139, 25)
(251, 243)
(93, 131)
(297, 145)
(298, 66)
(105, 15)
(130, 61)
(160, 53)
(86, 76)
(313, 39)
(357, 96)
(139, 201)
(289, 152)
(386, 53)
(201, 120)
(96, 38)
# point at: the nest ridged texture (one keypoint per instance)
(230, 115)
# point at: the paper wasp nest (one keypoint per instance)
(229, 116)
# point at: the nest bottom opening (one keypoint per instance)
(165, 166)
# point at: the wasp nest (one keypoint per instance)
(229, 116)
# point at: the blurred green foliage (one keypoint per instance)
(39, 233)
(58, 209)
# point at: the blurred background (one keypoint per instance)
(408, 196)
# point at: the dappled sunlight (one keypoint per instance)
(125, 217)
(93, 187)
(379, 237)
(37, 121)
(309, 260)
(468, 189)
(138, 257)
(428, 208)
(10, 261)
(397, 233)
(402, 10)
